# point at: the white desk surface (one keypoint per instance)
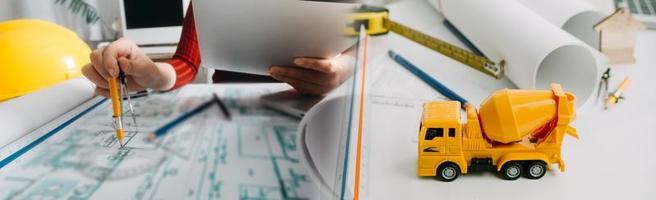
(615, 157)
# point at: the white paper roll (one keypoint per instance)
(22, 115)
(536, 52)
(574, 16)
(321, 135)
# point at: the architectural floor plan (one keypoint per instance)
(252, 156)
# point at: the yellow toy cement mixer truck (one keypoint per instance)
(516, 132)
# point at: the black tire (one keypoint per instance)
(535, 170)
(448, 172)
(511, 170)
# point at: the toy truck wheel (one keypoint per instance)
(448, 172)
(535, 170)
(511, 171)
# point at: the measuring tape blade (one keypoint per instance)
(477, 62)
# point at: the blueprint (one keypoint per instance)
(252, 156)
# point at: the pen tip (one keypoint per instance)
(151, 137)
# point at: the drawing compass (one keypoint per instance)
(126, 96)
(603, 83)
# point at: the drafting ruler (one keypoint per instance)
(376, 21)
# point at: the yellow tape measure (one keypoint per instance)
(376, 21)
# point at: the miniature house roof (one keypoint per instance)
(620, 19)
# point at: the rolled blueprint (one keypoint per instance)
(322, 138)
(535, 52)
(22, 115)
(574, 16)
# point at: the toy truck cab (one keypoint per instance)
(440, 136)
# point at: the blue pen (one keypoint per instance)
(441, 88)
(462, 38)
(168, 126)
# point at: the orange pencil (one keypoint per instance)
(116, 108)
(614, 97)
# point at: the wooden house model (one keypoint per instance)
(617, 36)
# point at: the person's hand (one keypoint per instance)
(313, 76)
(141, 72)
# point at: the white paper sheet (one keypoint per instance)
(250, 36)
(21, 115)
(536, 52)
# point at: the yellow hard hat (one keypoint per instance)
(35, 54)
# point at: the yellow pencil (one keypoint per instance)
(614, 97)
(116, 108)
